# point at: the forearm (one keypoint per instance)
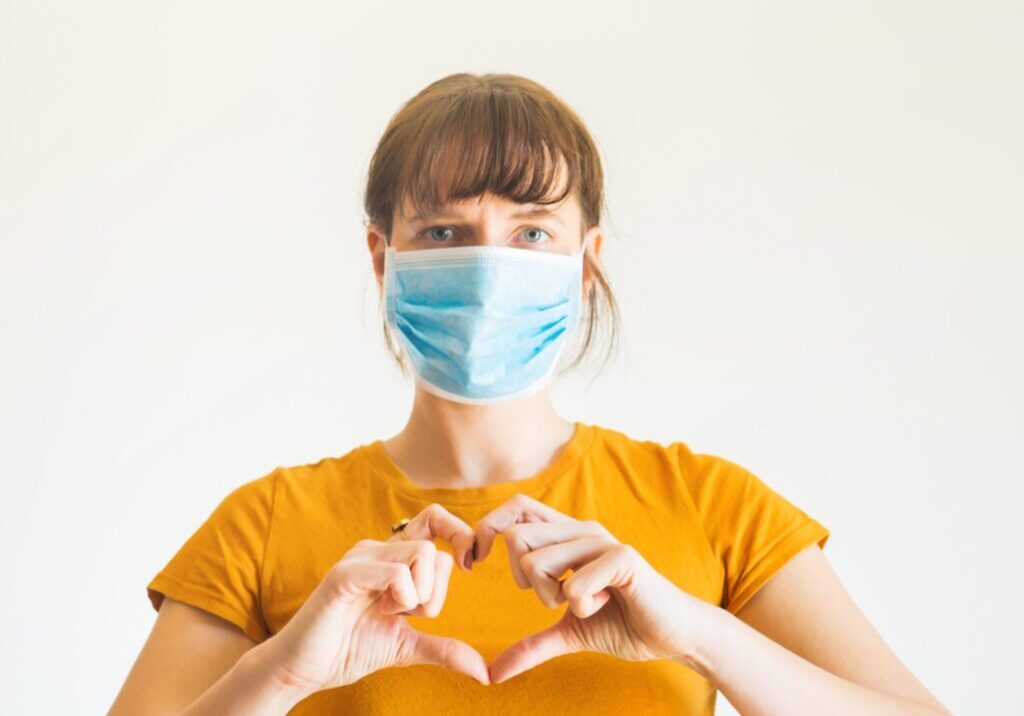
(248, 688)
(762, 678)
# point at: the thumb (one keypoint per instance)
(449, 653)
(530, 651)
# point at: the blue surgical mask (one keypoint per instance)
(483, 324)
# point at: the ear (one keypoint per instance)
(376, 243)
(593, 237)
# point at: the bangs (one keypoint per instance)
(505, 143)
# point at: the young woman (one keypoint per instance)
(630, 576)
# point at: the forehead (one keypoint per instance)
(489, 202)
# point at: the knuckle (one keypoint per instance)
(337, 578)
(520, 499)
(424, 547)
(338, 568)
(396, 571)
(624, 550)
(434, 509)
(448, 655)
(595, 527)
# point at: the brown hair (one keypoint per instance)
(465, 135)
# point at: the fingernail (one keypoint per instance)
(468, 559)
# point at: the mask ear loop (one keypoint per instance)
(387, 288)
(386, 279)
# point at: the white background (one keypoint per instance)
(815, 235)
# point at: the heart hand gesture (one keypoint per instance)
(618, 603)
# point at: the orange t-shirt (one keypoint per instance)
(711, 526)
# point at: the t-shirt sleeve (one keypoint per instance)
(752, 529)
(218, 569)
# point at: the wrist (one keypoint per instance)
(703, 654)
(262, 667)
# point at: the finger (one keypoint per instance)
(449, 653)
(588, 589)
(522, 539)
(358, 577)
(544, 567)
(530, 651)
(519, 508)
(443, 565)
(419, 555)
(435, 521)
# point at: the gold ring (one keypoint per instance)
(400, 527)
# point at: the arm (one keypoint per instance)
(196, 663)
(801, 646)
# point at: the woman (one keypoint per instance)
(630, 576)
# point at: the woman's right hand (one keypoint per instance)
(354, 623)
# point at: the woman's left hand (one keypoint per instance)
(618, 603)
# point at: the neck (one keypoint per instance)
(451, 444)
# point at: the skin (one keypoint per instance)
(799, 646)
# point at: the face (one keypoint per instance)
(490, 220)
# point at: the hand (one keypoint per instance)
(353, 623)
(618, 603)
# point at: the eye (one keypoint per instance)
(532, 235)
(429, 232)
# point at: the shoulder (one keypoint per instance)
(726, 493)
(674, 459)
(254, 500)
(305, 476)
(344, 477)
(255, 491)
(666, 472)
(616, 442)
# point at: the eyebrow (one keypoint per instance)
(531, 213)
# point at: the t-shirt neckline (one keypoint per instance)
(581, 440)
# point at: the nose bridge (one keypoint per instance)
(489, 225)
